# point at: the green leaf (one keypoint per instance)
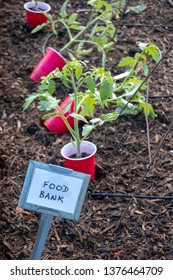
(154, 52)
(121, 76)
(78, 71)
(108, 117)
(151, 49)
(95, 121)
(131, 92)
(38, 28)
(148, 110)
(127, 61)
(79, 117)
(73, 17)
(47, 104)
(86, 130)
(145, 69)
(63, 13)
(106, 90)
(48, 116)
(137, 9)
(91, 84)
(88, 106)
(51, 86)
(129, 110)
(29, 100)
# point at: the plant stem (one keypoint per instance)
(147, 124)
(97, 45)
(65, 121)
(73, 40)
(68, 29)
(132, 69)
(76, 128)
(36, 5)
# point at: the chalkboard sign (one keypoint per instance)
(54, 190)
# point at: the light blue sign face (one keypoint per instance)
(54, 190)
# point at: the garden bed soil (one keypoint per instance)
(146, 229)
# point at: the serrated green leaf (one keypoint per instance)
(51, 87)
(79, 117)
(151, 49)
(106, 90)
(108, 117)
(78, 71)
(29, 100)
(154, 51)
(63, 13)
(127, 61)
(91, 84)
(47, 104)
(86, 130)
(88, 106)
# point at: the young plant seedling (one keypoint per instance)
(96, 88)
(35, 5)
(99, 32)
(137, 69)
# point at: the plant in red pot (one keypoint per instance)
(97, 34)
(90, 89)
(35, 13)
(98, 95)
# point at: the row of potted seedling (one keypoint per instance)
(91, 88)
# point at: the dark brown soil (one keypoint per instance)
(146, 229)
(83, 155)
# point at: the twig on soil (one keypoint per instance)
(160, 96)
(144, 175)
(147, 123)
(170, 2)
(122, 195)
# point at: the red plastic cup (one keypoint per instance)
(49, 62)
(56, 124)
(36, 18)
(84, 165)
